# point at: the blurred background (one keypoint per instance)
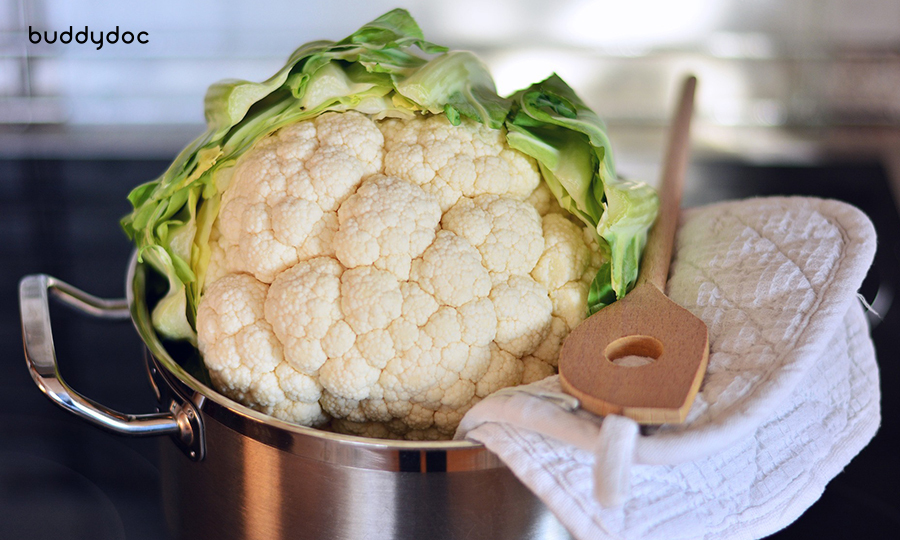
(795, 97)
(763, 64)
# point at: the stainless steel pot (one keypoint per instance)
(234, 473)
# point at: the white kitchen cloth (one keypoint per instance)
(790, 394)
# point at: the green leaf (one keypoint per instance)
(140, 194)
(169, 317)
(601, 293)
(458, 79)
(549, 122)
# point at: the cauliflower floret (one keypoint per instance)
(280, 206)
(506, 232)
(565, 257)
(570, 260)
(245, 357)
(504, 370)
(387, 223)
(451, 270)
(544, 202)
(303, 305)
(370, 298)
(535, 370)
(523, 314)
(388, 275)
(451, 162)
(349, 377)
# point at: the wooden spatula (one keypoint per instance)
(645, 323)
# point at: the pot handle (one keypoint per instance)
(41, 359)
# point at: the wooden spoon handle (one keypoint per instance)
(645, 322)
(658, 252)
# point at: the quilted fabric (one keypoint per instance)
(790, 394)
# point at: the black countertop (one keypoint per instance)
(63, 479)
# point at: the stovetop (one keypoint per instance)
(63, 479)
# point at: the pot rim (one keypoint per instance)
(306, 441)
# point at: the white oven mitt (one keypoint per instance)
(789, 398)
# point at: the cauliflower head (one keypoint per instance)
(388, 274)
(375, 239)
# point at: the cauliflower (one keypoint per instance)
(387, 274)
(373, 238)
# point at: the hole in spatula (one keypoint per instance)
(634, 351)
